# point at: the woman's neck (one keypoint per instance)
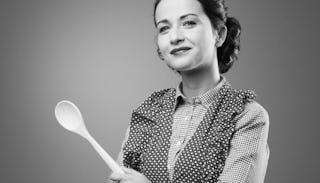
(197, 83)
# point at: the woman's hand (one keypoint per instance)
(130, 176)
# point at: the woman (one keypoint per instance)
(204, 130)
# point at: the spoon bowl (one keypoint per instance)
(69, 116)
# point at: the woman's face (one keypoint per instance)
(186, 38)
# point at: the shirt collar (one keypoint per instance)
(205, 99)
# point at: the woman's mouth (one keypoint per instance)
(179, 51)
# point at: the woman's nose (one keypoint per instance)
(176, 36)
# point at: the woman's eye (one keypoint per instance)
(189, 24)
(163, 29)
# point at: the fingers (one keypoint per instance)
(128, 172)
(129, 176)
(117, 176)
(112, 181)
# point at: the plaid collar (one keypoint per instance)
(205, 99)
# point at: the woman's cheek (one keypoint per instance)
(163, 45)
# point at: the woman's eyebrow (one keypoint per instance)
(189, 14)
(163, 21)
(181, 18)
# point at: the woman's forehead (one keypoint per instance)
(174, 9)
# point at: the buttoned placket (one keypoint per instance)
(181, 140)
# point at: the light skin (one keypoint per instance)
(130, 176)
(182, 23)
(188, 43)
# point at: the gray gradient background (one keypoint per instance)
(101, 55)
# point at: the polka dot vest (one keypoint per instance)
(203, 158)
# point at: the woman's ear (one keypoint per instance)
(222, 34)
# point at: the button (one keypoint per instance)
(179, 143)
(197, 101)
(187, 118)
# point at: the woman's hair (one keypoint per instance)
(217, 13)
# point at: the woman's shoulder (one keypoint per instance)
(252, 106)
(159, 94)
(253, 114)
(157, 97)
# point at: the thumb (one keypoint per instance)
(116, 176)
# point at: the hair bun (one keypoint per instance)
(227, 53)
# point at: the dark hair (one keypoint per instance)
(217, 13)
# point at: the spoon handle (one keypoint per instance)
(105, 156)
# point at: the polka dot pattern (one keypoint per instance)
(203, 158)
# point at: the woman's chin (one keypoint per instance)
(179, 65)
(180, 68)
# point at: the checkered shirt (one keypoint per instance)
(249, 152)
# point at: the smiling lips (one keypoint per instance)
(179, 51)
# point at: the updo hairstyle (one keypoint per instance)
(217, 13)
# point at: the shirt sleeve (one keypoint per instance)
(249, 152)
(120, 155)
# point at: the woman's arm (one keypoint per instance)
(130, 175)
(120, 155)
(249, 152)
